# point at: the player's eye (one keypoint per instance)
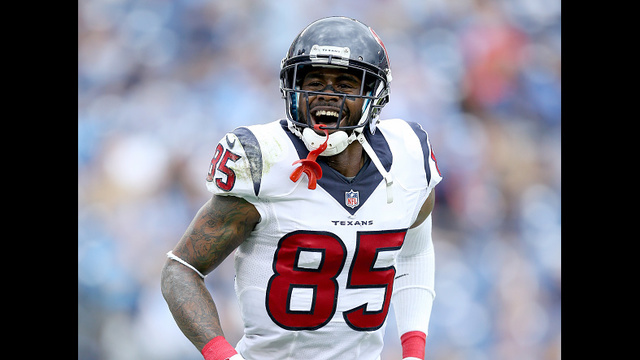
(313, 86)
(345, 87)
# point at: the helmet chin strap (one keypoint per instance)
(388, 179)
(336, 143)
(329, 145)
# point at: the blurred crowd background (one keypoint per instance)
(160, 82)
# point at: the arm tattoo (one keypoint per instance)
(190, 304)
(218, 228)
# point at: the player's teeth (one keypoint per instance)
(326, 113)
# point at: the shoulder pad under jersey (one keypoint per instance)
(252, 162)
(416, 167)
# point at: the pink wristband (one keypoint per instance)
(218, 348)
(413, 343)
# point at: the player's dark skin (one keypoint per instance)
(224, 222)
(351, 160)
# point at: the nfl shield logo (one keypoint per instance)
(352, 198)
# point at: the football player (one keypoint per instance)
(327, 210)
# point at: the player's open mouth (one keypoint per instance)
(327, 116)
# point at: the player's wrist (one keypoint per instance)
(413, 343)
(219, 348)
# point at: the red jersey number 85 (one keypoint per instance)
(293, 275)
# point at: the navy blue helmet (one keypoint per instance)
(337, 42)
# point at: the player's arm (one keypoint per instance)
(219, 227)
(413, 291)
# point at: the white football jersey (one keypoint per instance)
(314, 279)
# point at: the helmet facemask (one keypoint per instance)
(335, 43)
(373, 91)
(346, 44)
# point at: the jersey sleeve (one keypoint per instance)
(432, 172)
(234, 169)
(414, 162)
